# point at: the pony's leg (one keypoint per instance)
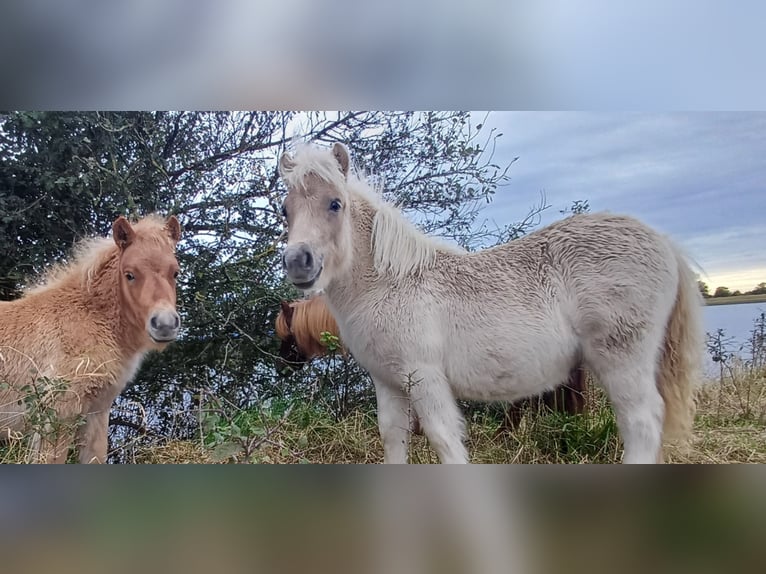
(393, 421)
(638, 406)
(439, 415)
(93, 439)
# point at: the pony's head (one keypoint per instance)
(301, 325)
(147, 275)
(317, 212)
(290, 354)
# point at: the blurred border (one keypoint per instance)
(383, 519)
(332, 54)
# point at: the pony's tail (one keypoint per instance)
(681, 361)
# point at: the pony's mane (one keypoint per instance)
(398, 247)
(90, 256)
(283, 331)
(313, 160)
(311, 318)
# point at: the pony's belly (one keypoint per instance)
(505, 386)
(505, 375)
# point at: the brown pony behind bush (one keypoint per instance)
(300, 325)
(69, 347)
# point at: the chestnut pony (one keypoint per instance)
(74, 342)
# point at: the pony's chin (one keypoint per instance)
(162, 343)
(309, 285)
(306, 286)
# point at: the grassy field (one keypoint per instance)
(730, 427)
(736, 299)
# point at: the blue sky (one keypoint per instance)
(700, 177)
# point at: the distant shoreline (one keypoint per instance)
(736, 299)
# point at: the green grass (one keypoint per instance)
(730, 427)
(736, 299)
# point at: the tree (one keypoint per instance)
(64, 176)
(578, 206)
(722, 292)
(760, 289)
(704, 289)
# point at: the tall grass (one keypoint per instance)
(42, 423)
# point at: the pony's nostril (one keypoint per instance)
(284, 261)
(308, 260)
(176, 322)
(153, 322)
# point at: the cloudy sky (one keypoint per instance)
(699, 177)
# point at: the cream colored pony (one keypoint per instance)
(432, 323)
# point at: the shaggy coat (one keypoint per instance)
(432, 323)
(70, 346)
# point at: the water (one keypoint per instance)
(736, 321)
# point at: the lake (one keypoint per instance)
(735, 320)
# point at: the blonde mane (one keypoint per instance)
(398, 247)
(312, 160)
(283, 330)
(90, 256)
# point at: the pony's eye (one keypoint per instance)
(284, 212)
(175, 275)
(335, 205)
(130, 276)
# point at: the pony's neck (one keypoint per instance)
(388, 251)
(360, 280)
(363, 218)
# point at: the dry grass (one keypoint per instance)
(174, 452)
(730, 427)
(731, 421)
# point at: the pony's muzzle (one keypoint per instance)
(164, 325)
(301, 266)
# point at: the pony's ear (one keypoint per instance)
(122, 232)
(287, 311)
(286, 164)
(173, 228)
(341, 155)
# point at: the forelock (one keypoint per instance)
(309, 160)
